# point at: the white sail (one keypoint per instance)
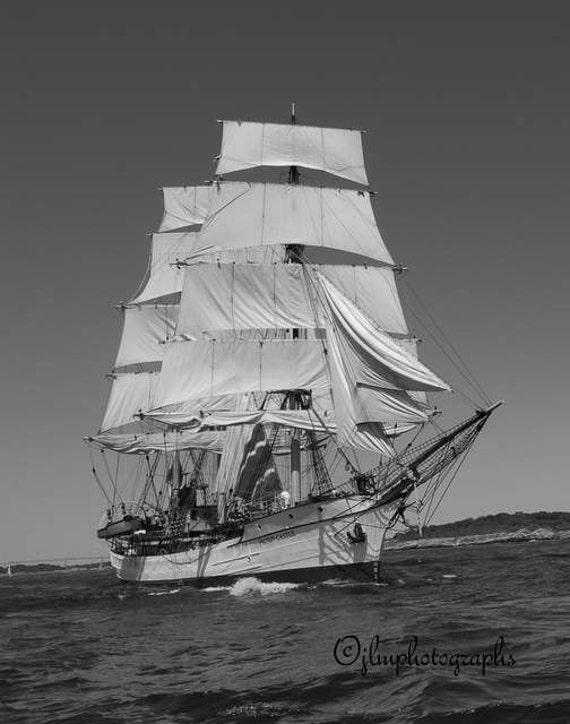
(171, 441)
(245, 296)
(389, 407)
(248, 296)
(184, 206)
(371, 356)
(131, 394)
(411, 345)
(351, 435)
(165, 274)
(373, 290)
(195, 369)
(333, 150)
(145, 330)
(366, 417)
(256, 214)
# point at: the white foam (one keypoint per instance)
(449, 575)
(247, 586)
(336, 582)
(214, 589)
(164, 593)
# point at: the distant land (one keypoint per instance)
(42, 567)
(499, 528)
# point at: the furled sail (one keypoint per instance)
(191, 412)
(258, 214)
(392, 407)
(333, 150)
(301, 419)
(225, 410)
(170, 441)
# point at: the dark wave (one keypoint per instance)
(81, 647)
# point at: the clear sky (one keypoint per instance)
(466, 107)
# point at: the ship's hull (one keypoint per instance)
(307, 542)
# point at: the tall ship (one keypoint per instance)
(268, 413)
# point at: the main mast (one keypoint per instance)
(293, 256)
(294, 251)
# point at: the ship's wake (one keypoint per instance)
(253, 586)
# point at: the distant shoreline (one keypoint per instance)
(47, 567)
(499, 528)
(519, 536)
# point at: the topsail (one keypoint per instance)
(333, 150)
(246, 214)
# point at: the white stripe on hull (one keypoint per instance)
(311, 542)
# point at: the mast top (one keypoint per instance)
(294, 175)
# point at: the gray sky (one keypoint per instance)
(466, 107)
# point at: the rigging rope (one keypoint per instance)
(97, 480)
(461, 459)
(458, 362)
(116, 493)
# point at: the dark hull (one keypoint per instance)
(120, 527)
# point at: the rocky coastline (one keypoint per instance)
(522, 535)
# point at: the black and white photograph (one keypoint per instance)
(285, 333)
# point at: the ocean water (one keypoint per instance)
(467, 634)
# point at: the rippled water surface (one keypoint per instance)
(82, 647)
